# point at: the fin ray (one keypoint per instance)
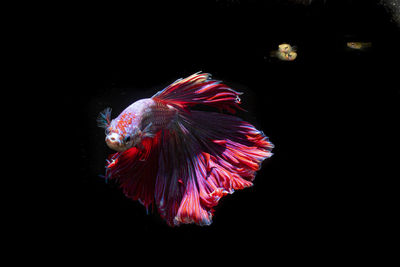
(196, 172)
(199, 89)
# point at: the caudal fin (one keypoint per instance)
(204, 157)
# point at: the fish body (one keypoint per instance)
(291, 56)
(183, 161)
(142, 119)
(285, 56)
(359, 45)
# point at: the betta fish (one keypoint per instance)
(179, 160)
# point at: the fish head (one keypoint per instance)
(285, 48)
(119, 142)
(291, 56)
(121, 132)
(354, 45)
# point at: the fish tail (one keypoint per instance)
(205, 157)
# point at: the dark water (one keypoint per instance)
(329, 113)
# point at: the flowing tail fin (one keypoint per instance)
(202, 156)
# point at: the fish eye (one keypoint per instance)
(127, 139)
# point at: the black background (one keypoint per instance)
(329, 113)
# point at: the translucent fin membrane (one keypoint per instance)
(222, 155)
(135, 170)
(199, 89)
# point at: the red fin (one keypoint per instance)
(199, 89)
(190, 167)
(177, 191)
(135, 170)
(202, 160)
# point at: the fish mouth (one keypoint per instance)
(114, 141)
